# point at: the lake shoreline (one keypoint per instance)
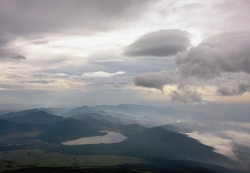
(109, 138)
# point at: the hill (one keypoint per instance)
(40, 117)
(18, 114)
(68, 130)
(172, 128)
(80, 110)
(158, 142)
(138, 110)
(7, 127)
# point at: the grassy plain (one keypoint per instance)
(15, 159)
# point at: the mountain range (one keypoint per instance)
(153, 144)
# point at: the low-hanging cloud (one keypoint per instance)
(220, 145)
(240, 138)
(156, 80)
(160, 44)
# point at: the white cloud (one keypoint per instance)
(241, 138)
(220, 145)
(101, 74)
(61, 74)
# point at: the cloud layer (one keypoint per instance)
(220, 145)
(29, 18)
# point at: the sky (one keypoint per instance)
(154, 52)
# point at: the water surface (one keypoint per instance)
(111, 137)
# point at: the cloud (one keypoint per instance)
(39, 81)
(156, 80)
(160, 44)
(225, 53)
(185, 95)
(17, 57)
(220, 145)
(238, 137)
(35, 18)
(243, 125)
(101, 74)
(221, 61)
(233, 90)
(6, 56)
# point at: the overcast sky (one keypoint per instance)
(112, 52)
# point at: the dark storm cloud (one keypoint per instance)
(29, 18)
(160, 43)
(156, 80)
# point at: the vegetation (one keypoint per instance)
(16, 159)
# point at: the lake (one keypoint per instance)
(111, 137)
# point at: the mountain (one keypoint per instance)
(97, 117)
(69, 129)
(55, 111)
(100, 122)
(18, 114)
(128, 114)
(7, 127)
(172, 128)
(80, 110)
(2, 112)
(158, 142)
(99, 114)
(138, 110)
(146, 115)
(40, 117)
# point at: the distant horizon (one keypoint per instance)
(31, 106)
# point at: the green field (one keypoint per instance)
(15, 159)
